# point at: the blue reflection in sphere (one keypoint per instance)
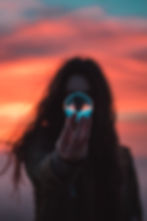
(78, 103)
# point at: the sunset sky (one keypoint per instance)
(37, 37)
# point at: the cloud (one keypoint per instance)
(11, 11)
(14, 12)
(140, 54)
(75, 30)
(13, 118)
(25, 80)
(45, 12)
(31, 53)
(15, 110)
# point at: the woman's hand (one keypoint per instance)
(72, 144)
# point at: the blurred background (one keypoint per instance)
(35, 38)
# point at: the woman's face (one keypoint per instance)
(78, 102)
(77, 83)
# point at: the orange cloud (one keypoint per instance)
(31, 54)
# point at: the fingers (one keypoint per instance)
(80, 137)
(68, 127)
(83, 130)
(73, 142)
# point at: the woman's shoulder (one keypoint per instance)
(130, 187)
(124, 153)
(126, 160)
(124, 150)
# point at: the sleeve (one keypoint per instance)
(131, 194)
(48, 169)
(52, 178)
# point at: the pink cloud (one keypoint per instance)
(12, 11)
(31, 53)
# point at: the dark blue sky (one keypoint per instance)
(112, 7)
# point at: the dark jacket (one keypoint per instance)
(56, 184)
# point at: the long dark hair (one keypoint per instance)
(103, 142)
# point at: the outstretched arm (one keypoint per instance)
(52, 178)
(67, 157)
(53, 173)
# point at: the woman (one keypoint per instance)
(78, 169)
